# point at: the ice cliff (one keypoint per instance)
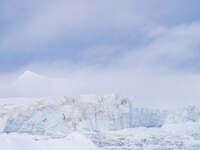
(63, 115)
(87, 113)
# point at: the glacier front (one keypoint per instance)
(51, 116)
(110, 122)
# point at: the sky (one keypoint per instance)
(145, 49)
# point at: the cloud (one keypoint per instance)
(39, 23)
(141, 48)
(169, 47)
(139, 73)
(149, 88)
(71, 19)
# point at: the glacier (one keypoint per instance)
(63, 115)
(110, 122)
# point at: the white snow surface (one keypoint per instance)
(74, 141)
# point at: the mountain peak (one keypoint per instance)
(29, 75)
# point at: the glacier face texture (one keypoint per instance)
(63, 115)
(87, 113)
(111, 122)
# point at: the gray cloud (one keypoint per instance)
(140, 48)
(50, 21)
(149, 88)
(169, 47)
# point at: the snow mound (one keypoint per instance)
(28, 142)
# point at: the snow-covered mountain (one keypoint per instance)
(30, 84)
(27, 75)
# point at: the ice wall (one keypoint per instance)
(62, 115)
(144, 117)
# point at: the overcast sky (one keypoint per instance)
(145, 48)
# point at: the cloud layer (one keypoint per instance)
(148, 49)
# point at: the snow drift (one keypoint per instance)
(74, 141)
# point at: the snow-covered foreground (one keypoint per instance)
(95, 122)
(74, 141)
(140, 138)
(170, 137)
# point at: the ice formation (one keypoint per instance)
(55, 115)
(110, 122)
(63, 115)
